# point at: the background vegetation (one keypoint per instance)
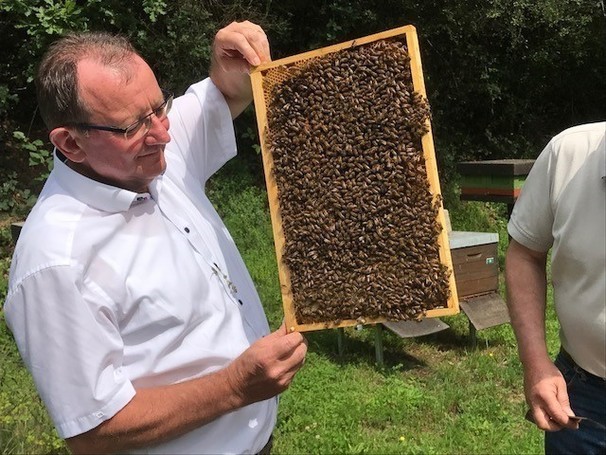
(502, 77)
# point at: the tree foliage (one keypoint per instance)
(502, 75)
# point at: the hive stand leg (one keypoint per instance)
(473, 335)
(340, 341)
(379, 344)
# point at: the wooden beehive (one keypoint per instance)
(267, 80)
(493, 180)
(475, 262)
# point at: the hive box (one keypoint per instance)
(493, 180)
(475, 262)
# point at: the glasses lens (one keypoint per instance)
(144, 125)
(135, 128)
(169, 104)
(163, 110)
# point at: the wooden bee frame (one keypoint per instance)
(268, 75)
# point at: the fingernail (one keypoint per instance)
(256, 61)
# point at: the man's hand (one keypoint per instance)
(157, 414)
(239, 46)
(236, 48)
(547, 396)
(267, 367)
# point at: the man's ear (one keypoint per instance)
(67, 142)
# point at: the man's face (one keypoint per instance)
(112, 101)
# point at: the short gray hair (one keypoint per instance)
(57, 76)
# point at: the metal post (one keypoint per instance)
(473, 335)
(340, 341)
(379, 344)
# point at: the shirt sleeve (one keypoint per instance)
(532, 217)
(77, 371)
(202, 131)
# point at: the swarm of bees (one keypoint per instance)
(359, 221)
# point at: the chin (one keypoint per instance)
(154, 157)
(152, 165)
(157, 167)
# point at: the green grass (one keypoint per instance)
(434, 394)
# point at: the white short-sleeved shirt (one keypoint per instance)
(563, 206)
(110, 290)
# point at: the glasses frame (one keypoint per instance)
(131, 130)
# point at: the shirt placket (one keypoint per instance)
(215, 261)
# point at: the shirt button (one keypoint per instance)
(186, 230)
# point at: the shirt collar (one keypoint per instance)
(95, 194)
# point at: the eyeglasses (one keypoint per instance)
(138, 128)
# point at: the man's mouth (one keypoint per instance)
(151, 153)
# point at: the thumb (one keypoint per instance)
(280, 332)
(562, 396)
(282, 329)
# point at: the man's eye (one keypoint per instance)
(134, 128)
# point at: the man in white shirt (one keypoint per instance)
(128, 299)
(562, 207)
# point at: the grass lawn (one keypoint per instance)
(434, 394)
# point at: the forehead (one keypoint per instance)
(121, 91)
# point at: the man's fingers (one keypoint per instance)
(245, 46)
(240, 45)
(279, 332)
(236, 54)
(560, 410)
(284, 344)
(293, 364)
(542, 420)
(545, 421)
(282, 329)
(258, 41)
(290, 343)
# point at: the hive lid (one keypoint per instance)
(462, 239)
(507, 167)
